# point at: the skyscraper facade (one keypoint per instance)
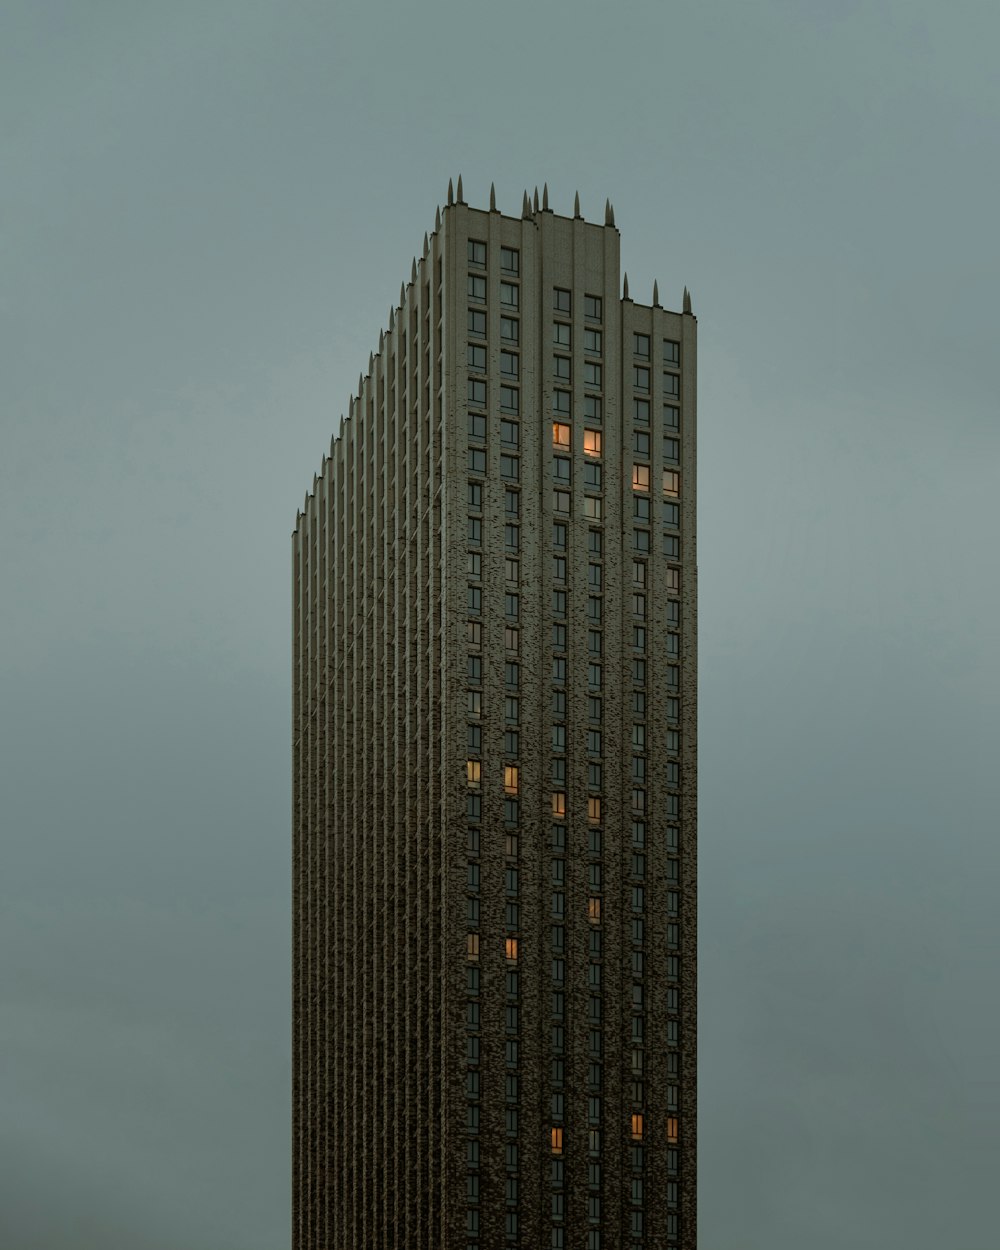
(494, 824)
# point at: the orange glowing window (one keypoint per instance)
(560, 434)
(510, 778)
(511, 948)
(473, 771)
(557, 1141)
(559, 803)
(472, 948)
(672, 1129)
(593, 809)
(640, 477)
(671, 483)
(594, 911)
(592, 442)
(637, 1127)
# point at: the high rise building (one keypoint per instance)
(495, 855)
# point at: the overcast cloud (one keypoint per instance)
(206, 212)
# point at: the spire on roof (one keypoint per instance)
(656, 294)
(608, 217)
(535, 201)
(458, 196)
(545, 197)
(525, 207)
(576, 205)
(426, 246)
(437, 218)
(493, 197)
(687, 301)
(625, 287)
(413, 270)
(451, 193)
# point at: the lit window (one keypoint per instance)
(672, 1129)
(637, 1127)
(510, 778)
(472, 771)
(594, 911)
(594, 810)
(472, 948)
(511, 948)
(557, 1141)
(559, 803)
(640, 477)
(671, 482)
(592, 507)
(592, 442)
(560, 434)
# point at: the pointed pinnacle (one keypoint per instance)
(392, 319)
(332, 439)
(576, 205)
(361, 385)
(371, 363)
(340, 432)
(545, 197)
(535, 201)
(493, 197)
(350, 403)
(608, 219)
(625, 288)
(612, 207)
(426, 246)
(381, 341)
(413, 270)
(656, 294)
(402, 294)
(525, 207)
(437, 218)
(458, 197)
(451, 193)
(687, 301)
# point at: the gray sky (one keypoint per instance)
(207, 209)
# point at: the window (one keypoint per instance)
(591, 442)
(477, 392)
(640, 442)
(672, 1129)
(592, 341)
(559, 535)
(640, 477)
(510, 468)
(510, 399)
(510, 364)
(560, 434)
(595, 542)
(558, 737)
(640, 378)
(671, 515)
(472, 946)
(477, 289)
(511, 502)
(475, 529)
(560, 468)
(672, 384)
(671, 417)
(473, 772)
(594, 809)
(639, 572)
(477, 424)
(558, 803)
(594, 608)
(592, 306)
(510, 434)
(640, 540)
(559, 575)
(510, 778)
(561, 502)
(641, 507)
(639, 603)
(559, 668)
(557, 1141)
(594, 641)
(477, 252)
(474, 702)
(559, 603)
(511, 606)
(477, 323)
(560, 402)
(474, 633)
(510, 260)
(592, 374)
(671, 450)
(594, 676)
(510, 295)
(511, 674)
(560, 334)
(510, 329)
(592, 407)
(640, 346)
(637, 1127)
(594, 910)
(475, 564)
(475, 495)
(475, 600)
(594, 575)
(640, 411)
(671, 353)
(671, 482)
(561, 300)
(592, 476)
(591, 507)
(476, 357)
(560, 367)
